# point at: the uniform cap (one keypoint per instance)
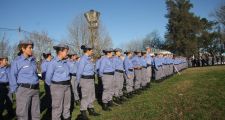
(61, 46)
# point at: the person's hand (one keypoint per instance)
(129, 76)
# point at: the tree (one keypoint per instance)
(4, 45)
(136, 44)
(182, 28)
(42, 43)
(220, 14)
(103, 39)
(153, 40)
(208, 38)
(79, 35)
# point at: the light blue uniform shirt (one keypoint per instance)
(143, 62)
(166, 61)
(44, 66)
(149, 59)
(136, 61)
(162, 59)
(170, 60)
(118, 62)
(73, 66)
(157, 62)
(97, 65)
(4, 74)
(128, 65)
(175, 61)
(23, 70)
(58, 70)
(85, 67)
(107, 65)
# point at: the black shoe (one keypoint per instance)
(111, 104)
(77, 102)
(144, 88)
(134, 92)
(92, 112)
(122, 99)
(83, 116)
(148, 85)
(117, 100)
(105, 107)
(128, 95)
(138, 92)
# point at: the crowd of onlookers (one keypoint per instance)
(206, 60)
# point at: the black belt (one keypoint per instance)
(4, 84)
(120, 71)
(87, 76)
(62, 82)
(31, 86)
(137, 68)
(131, 70)
(73, 74)
(149, 65)
(109, 73)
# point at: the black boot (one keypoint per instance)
(148, 85)
(138, 92)
(77, 102)
(129, 95)
(111, 104)
(105, 107)
(117, 100)
(122, 99)
(83, 115)
(92, 112)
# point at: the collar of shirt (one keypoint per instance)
(2, 67)
(72, 61)
(58, 60)
(87, 57)
(46, 60)
(29, 58)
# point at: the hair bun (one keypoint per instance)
(83, 47)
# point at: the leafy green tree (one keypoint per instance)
(182, 28)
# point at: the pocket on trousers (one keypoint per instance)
(22, 102)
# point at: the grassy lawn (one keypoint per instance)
(198, 93)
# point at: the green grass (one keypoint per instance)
(198, 93)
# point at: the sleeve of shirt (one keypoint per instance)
(101, 69)
(114, 64)
(43, 70)
(49, 73)
(97, 65)
(80, 69)
(126, 66)
(156, 65)
(133, 61)
(70, 66)
(13, 77)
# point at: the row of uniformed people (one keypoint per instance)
(167, 65)
(24, 81)
(6, 101)
(113, 70)
(59, 72)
